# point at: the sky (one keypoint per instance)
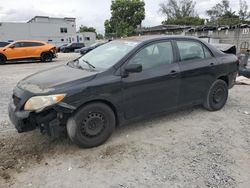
(88, 12)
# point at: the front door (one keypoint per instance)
(156, 88)
(16, 51)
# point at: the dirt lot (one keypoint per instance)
(189, 148)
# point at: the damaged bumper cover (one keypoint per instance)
(51, 120)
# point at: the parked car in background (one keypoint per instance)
(120, 81)
(58, 48)
(71, 47)
(85, 50)
(3, 44)
(27, 49)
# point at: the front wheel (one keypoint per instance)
(216, 96)
(46, 57)
(92, 125)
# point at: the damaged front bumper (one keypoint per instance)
(51, 120)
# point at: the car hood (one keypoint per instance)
(85, 48)
(52, 79)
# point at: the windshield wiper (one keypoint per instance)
(88, 63)
(76, 63)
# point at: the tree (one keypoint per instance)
(174, 9)
(185, 21)
(180, 12)
(222, 14)
(126, 15)
(99, 36)
(243, 12)
(219, 10)
(87, 29)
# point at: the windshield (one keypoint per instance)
(107, 55)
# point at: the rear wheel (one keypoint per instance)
(216, 96)
(46, 57)
(92, 125)
(2, 60)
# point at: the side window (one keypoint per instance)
(36, 44)
(190, 50)
(207, 53)
(19, 44)
(154, 55)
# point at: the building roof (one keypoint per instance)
(47, 17)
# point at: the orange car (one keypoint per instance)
(22, 50)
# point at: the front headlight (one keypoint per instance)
(38, 103)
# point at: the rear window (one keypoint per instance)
(33, 44)
(191, 50)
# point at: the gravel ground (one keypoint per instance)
(189, 148)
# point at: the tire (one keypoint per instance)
(92, 125)
(46, 57)
(217, 96)
(2, 60)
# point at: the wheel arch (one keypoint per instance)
(106, 102)
(1, 54)
(45, 52)
(224, 78)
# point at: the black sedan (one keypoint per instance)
(3, 44)
(85, 50)
(121, 81)
(71, 47)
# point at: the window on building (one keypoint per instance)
(50, 40)
(64, 30)
(62, 40)
(80, 38)
(73, 39)
(86, 38)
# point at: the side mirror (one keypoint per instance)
(12, 46)
(132, 68)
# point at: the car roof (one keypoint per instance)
(30, 41)
(144, 38)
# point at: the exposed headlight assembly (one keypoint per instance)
(38, 103)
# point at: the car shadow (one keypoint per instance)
(27, 62)
(32, 147)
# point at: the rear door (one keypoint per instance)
(33, 49)
(156, 88)
(197, 66)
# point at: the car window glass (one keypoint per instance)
(154, 55)
(190, 50)
(27, 44)
(19, 45)
(207, 53)
(108, 54)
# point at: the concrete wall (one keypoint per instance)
(236, 36)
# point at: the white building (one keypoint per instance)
(52, 30)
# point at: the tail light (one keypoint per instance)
(238, 61)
